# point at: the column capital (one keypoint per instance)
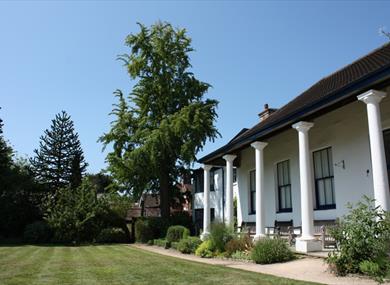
(303, 126)
(372, 96)
(259, 145)
(229, 157)
(207, 167)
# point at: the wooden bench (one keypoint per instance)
(247, 228)
(321, 231)
(284, 229)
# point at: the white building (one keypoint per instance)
(305, 161)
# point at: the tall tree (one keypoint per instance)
(165, 120)
(59, 161)
(5, 152)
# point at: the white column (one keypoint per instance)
(229, 188)
(307, 241)
(378, 158)
(206, 202)
(260, 213)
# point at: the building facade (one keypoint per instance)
(306, 161)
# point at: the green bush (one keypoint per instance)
(362, 237)
(267, 251)
(182, 219)
(188, 245)
(162, 242)
(205, 249)
(220, 235)
(242, 244)
(37, 232)
(112, 235)
(241, 255)
(176, 233)
(143, 231)
(174, 244)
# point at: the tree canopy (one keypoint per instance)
(165, 121)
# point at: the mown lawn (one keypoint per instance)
(113, 264)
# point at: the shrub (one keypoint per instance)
(205, 249)
(174, 244)
(188, 245)
(182, 219)
(241, 255)
(143, 231)
(268, 250)
(176, 233)
(243, 243)
(220, 234)
(161, 242)
(37, 232)
(112, 235)
(363, 239)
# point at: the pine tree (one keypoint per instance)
(59, 161)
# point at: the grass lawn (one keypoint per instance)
(113, 264)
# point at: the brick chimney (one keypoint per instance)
(263, 115)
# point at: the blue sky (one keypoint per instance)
(62, 56)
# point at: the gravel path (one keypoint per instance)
(306, 269)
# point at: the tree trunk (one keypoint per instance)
(164, 194)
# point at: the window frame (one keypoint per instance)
(279, 187)
(318, 206)
(252, 199)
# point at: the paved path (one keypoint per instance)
(306, 269)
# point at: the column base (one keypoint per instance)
(258, 237)
(204, 236)
(307, 245)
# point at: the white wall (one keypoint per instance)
(216, 200)
(346, 131)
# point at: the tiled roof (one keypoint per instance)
(328, 90)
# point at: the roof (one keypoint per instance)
(331, 90)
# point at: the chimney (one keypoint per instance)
(263, 115)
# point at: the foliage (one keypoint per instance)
(268, 250)
(20, 198)
(241, 255)
(162, 243)
(188, 245)
(205, 249)
(75, 214)
(376, 270)
(242, 244)
(220, 234)
(112, 235)
(362, 235)
(59, 161)
(165, 121)
(102, 183)
(176, 233)
(183, 219)
(37, 232)
(174, 244)
(143, 230)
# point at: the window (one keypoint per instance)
(199, 218)
(198, 182)
(386, 138)
(234, 175)
(284, 186)
(212, 179)
(252, 192)
(324, 179)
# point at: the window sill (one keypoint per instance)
(284, 211)
(326, 207)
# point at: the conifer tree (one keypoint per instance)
(165, 121)
(59, 161)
